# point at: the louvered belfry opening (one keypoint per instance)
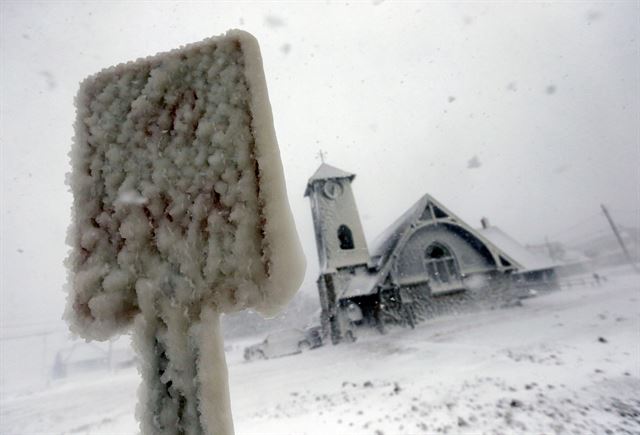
(345, 237)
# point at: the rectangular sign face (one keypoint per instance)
(178, 188)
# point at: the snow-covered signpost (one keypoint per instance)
(180, 213)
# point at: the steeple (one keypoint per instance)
(327, 172)
(339, 235)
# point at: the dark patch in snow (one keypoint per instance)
(602, 340)
(626, 409)
(512, 86)
(285, 48)
(550, 90)
(451, 98)
(515, 403)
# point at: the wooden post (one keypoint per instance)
(332, 309)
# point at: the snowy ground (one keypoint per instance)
(565, 362)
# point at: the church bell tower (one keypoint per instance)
(339, 236)
(339, 239)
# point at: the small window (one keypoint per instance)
(345, 237)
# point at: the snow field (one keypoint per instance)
(538, 368)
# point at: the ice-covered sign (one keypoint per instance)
(180, 213)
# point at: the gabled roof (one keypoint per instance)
(327, 172)
(507, 252)
(385, 243)
(362, 283)
(390, 239)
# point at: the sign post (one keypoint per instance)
(180, 214)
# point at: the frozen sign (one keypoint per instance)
(180, 213)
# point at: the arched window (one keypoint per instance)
(441, 264)
(345, 237)
(437, 252)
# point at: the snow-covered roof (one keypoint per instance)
(384, 246)
(327, 172)
(361, 284)
(529, 260)
(570, 256)
(386, 241)
(389, 241)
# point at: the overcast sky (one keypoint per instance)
(526, 113)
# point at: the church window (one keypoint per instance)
(441, 265)
(345, 237)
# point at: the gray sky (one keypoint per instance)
(526, 113)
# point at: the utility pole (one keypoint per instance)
(617, 234)
(549, 248)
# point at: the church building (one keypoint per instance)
(429, 261)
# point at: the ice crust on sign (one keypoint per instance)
(184, 374)
(178, 189)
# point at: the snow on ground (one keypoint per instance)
(564, 362)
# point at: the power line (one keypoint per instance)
(575, 226)
(626, 210)
(590, 218)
